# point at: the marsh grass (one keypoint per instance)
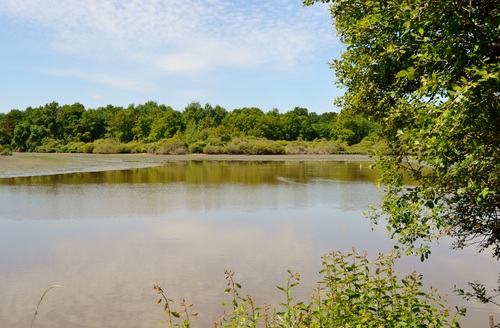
(40, 301)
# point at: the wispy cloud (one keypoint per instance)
(177, 35)
(122, 83)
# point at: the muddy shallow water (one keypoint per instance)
(31, 164)
(109, 227)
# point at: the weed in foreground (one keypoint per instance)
(40, 301)
(353, 292)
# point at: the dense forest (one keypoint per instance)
(157, 128)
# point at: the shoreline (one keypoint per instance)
(39, 164)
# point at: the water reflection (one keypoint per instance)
(108, 237)
(180, 186)
(213, 172)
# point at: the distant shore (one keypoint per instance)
(36, 164)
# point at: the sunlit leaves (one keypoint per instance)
(429, 73)
(354, 291)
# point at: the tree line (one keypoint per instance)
(153, 127)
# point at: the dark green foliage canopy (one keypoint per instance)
(52, 127)
(429, 72)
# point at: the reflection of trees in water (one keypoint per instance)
(215, 172)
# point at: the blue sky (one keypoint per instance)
(264, 53)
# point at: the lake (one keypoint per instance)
(108, 237)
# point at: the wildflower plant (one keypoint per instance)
(353, 292)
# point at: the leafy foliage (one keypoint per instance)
(157, 128)
(354, 292)
(479, 293)
(429, 73)
(173, 314)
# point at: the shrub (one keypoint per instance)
(197, 147)
(266, 147)
(238, 146)
(106, 146)
(354, 292)
(366, 146)
(297, 147)
(88, 148)
(134, 147)
(49, 145)
(324, 146)
(73, 147)
(212, 149)
(4, 151)
(172, 146)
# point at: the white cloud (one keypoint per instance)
(178, 35)
(123, 83)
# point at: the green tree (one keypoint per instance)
(273, 125)
(166, 124)
(429, 72)
(249, 121)
(93, 124)
(296, 125)
(22, 133)
(193, 112)
(352, 128)
(68, 119)
(8, 123)
(216, 115)
(322, 124)
(193, 121)
(38, 124)
(121, 124)
(147, 114)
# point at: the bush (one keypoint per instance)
(197, 147)
(105, 146)
(354, 292)
(266, 147)
(255, 146)
(238, 146)
(212, 149)
(73, 147)
(366, 146)
(4, 151)
(109, 146)
(324, 146)
(49, 145)
(88, 148)
(297, 147)
(134, 147)
(172, 146)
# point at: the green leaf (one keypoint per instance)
(402, 73)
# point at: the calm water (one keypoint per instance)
(108, 237)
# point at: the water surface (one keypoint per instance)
(108, 237)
